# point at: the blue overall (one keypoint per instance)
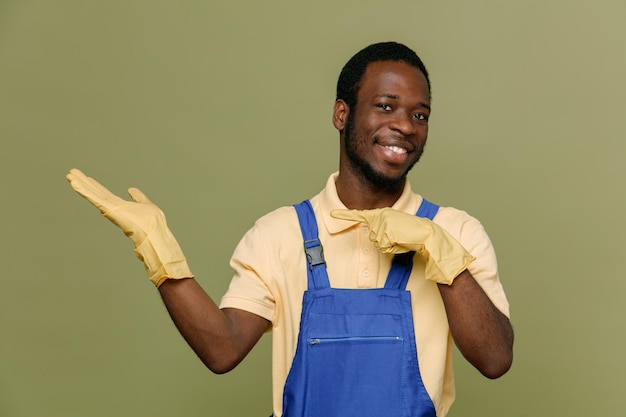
(356, 354)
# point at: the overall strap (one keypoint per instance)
(316, 266)
(402, 263)
(427, 209)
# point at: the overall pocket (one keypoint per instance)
(356, 374)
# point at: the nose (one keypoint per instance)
(403, 123)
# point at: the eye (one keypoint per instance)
(420, 116)
(385, 106)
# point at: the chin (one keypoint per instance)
(385, 181)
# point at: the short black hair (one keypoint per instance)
(350, 77)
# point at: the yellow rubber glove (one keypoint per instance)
(140, 220)
(394, 231)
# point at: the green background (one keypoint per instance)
(221, 112)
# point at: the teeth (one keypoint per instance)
(396, 149)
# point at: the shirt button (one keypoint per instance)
(364, 229)
(366, 250)
(366, 273)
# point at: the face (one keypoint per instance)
(385, 134)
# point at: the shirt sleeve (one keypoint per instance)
(248, 289)
(472, 235)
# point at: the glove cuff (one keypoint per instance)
(446, 257)
(446, 273)
(162, 257)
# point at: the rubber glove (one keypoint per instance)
(140, 220)
(393, 231)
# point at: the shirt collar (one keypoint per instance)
(329, 200)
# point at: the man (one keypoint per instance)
(349, 347)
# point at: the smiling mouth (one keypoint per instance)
(396, 149)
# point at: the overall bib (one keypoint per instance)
(356, 354)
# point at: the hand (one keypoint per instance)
(143, 222)
(393, 231)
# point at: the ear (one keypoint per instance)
(340, 114)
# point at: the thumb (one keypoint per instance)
(138, 196)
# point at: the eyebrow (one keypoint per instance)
(396, 97)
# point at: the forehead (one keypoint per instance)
(394, 78)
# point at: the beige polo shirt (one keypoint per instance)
(270, 279)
